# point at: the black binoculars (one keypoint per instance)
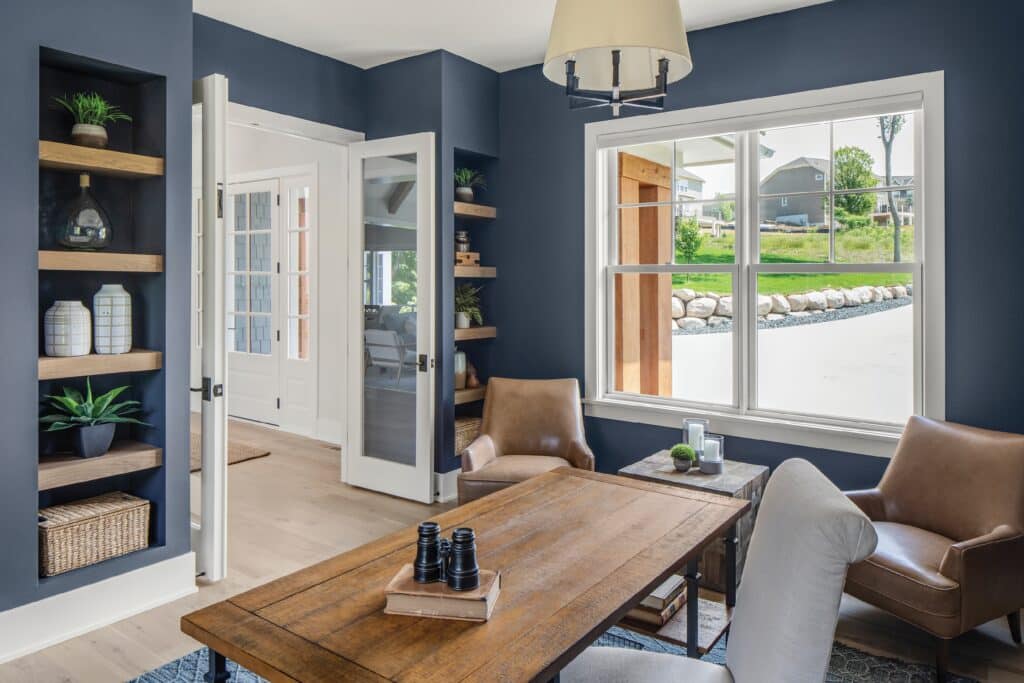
(452, 561)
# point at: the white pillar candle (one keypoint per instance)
(711, 450)
(696, 437)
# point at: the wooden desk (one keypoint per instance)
(576, 550)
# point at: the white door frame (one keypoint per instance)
(413, 482)
(210, 539)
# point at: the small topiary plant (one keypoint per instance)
(682, 451)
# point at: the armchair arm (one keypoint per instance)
(478, 454)
(580, 455)
(870, 503)
(988, 571)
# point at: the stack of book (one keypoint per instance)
(661, 605)
(436, 600)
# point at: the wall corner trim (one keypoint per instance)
(28, 628)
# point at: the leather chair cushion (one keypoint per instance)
(616, 665)
(905, 569)
(512, 469)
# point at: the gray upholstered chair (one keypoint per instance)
(806, 537)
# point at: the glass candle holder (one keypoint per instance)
(694, 430)
(713, 459)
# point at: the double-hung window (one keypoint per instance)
(795, 292)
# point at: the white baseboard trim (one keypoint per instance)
(49, 621)
(446, 486)
(329, 430)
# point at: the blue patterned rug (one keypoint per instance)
(846, 666)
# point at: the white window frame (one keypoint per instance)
(922, 93)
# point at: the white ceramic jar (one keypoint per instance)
(67, 329)
(112, 320)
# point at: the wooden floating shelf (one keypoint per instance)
(100, 261)
(61, 156)
(136, 360)
(467, 210)
(124, 457)
(476, 271)
(472, 333)
(470, 395)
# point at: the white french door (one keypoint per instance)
(391, 317)
(209, 537)
(253, 321)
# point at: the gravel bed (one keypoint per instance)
(826, 316)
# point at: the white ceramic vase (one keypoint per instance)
(67, 329)
(462, 320)
(112, 320)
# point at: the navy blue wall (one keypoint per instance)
(541, 226)
(278, 77)
(149, 35)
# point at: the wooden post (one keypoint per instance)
(643, 303)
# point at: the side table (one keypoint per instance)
(737, 480)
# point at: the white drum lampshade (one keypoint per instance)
(644, 31)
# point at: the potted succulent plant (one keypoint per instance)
(92, 113)
(93, 419)
(467, 306)
(465, 180)
(683, 456)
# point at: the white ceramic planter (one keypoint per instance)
(89, 135)
(67, 329)
(461, 321)
(464, 194)
(112, 320)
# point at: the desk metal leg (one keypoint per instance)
(218, 672)
(731, 543)
(692, 608)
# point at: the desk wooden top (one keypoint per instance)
(576, 550)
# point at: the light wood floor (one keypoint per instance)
(288, 511)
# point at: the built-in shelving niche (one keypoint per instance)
(132, 190)
(478, 219)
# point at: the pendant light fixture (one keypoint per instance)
(617, 52)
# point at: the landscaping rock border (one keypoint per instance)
(704, 312)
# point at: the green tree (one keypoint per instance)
(852, 168)
(890, 127)
(403, 279)
(726, 208)
(689, 238)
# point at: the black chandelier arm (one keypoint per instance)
(649, 98)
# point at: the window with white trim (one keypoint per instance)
(790, 287)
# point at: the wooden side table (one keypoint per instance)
(737, 480)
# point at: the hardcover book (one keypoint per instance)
(655, 617)
(438, 601)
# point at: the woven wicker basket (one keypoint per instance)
(466, 429)
(88, 531)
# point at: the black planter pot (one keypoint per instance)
(90, 442)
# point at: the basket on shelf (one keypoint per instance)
(466, 429)
(88, 531)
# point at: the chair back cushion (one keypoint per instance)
(806, 536)
(382, 345)
(533, 416)
(954, 480)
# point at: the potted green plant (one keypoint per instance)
(467, 306)
(91, 113)
(683, 456)
(93, 419)
(465, 180)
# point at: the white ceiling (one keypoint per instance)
(501, 34)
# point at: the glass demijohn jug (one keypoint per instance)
(87, 226)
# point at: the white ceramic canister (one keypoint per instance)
(67, 329)
(112, 320)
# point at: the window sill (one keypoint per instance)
(879, 443)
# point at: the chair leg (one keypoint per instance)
(1013, 618)
(942, 661)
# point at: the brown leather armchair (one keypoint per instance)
(949, 513)
(529, 427)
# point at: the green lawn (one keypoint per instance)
(861, 245)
